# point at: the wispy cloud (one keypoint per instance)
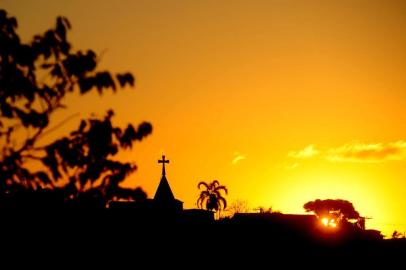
(237, 158)
(291, 166)
(355, 152)
(308, 152)
(363, 152)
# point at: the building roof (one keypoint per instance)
(164, 192)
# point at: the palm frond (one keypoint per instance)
(204, 193)
(202, 183)
(216, 193)
(223, 200)
(200, 202)
(215, 183)
(222, 188)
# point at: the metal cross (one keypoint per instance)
(163, 161)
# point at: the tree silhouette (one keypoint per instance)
(397, 235)
(269, 210)
(337, 209)
(211, 198)
(238, 206)
(80, 166)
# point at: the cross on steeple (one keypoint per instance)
(163, 161)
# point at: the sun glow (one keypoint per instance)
(328, 222)
(324, 221)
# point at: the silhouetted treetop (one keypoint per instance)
(210, 197)
(343, 208)
(35, 78)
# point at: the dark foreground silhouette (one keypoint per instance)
(244, 238)
(161, 227)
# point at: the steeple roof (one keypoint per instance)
(164, 192)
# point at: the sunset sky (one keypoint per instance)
(282, 101)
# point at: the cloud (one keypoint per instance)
(237, 158)
(308, 152)
(363, 152)
(354, 152)
(291, 166)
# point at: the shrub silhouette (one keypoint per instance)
(211, 198)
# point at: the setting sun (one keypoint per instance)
(328, 222)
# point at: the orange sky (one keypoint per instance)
(308, 96)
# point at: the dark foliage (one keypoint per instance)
(35, 78)
(211, 198)
(340, 208)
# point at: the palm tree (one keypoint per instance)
(210, 198)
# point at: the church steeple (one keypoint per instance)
(164, 192)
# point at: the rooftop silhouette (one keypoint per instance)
(164, 192)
